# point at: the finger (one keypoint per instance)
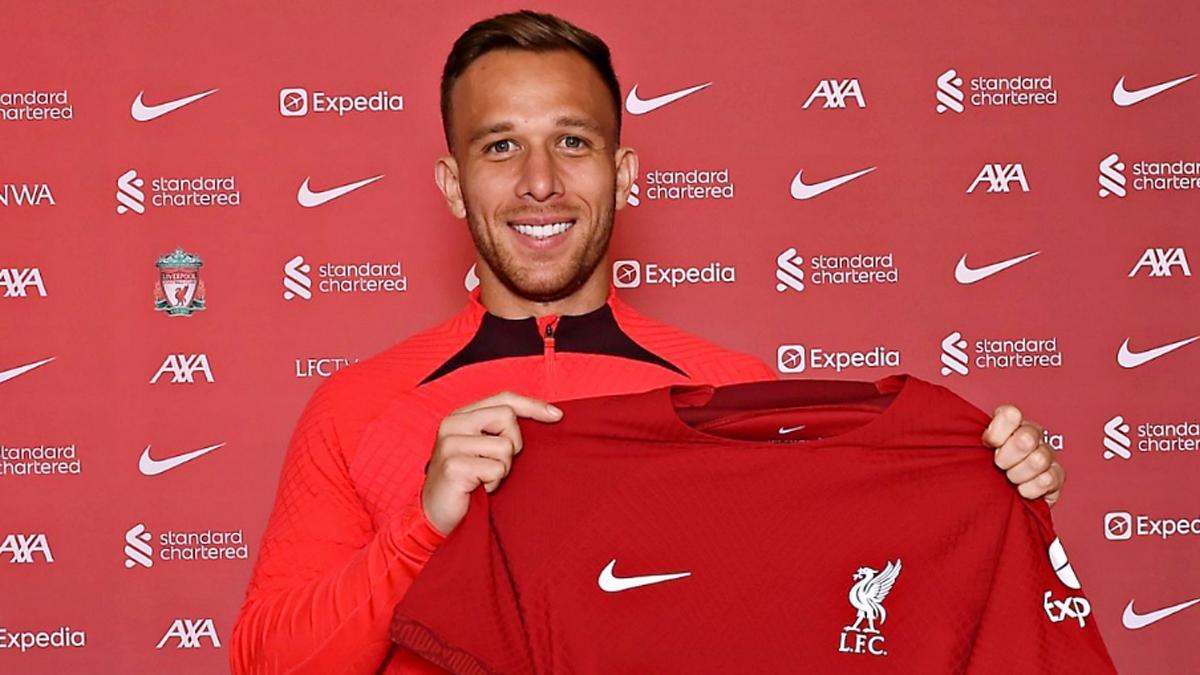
(1018, 447)
(498, 448)
(1035, 466)
(524, 406)
(1004, 422)
(500, 420)
(471, 472)
(1061, 475)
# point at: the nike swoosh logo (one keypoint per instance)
(1133, 621)
(801, 190)
(309, 199)
(6, 375)
(144, 113)
(613, 584)
(966, 275)
(788, 430)
(152, 467)
(1131, 359)
(637, 106)
(1124, 97)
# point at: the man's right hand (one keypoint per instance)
(475, 446)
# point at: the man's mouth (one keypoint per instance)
(539, 228)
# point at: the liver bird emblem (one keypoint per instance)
(867, 594)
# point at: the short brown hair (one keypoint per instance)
(528, 31)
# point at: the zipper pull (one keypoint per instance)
(548, 325)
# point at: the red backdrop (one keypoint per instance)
(966, 163)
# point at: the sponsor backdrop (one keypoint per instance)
(205, 211)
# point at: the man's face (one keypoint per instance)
(535, 168)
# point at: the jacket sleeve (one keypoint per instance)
(326, 582)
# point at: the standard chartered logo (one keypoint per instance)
(1112, 177)
(129, 194)
(296, 282)
(949, 92)
(137, 547)
(1116, 439)
(954, 359)
(788, 272)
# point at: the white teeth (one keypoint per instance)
(543, 231)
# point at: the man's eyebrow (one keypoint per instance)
(564, 121)
(497, 128)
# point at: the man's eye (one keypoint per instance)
(500, 146)
(574, 142)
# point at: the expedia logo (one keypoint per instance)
(297, 102)
(795, 358)
(1123, 526)
(632, 273)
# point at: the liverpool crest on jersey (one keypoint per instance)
(179, 290)
(867, 594)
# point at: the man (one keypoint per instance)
(531, 113)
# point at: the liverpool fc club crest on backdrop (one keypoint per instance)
(867, 594)
(179, 290)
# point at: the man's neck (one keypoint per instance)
(502, 302)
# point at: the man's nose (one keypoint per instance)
(539, 176)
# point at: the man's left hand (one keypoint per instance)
(1022, 453)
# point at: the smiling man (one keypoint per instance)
(387, 453)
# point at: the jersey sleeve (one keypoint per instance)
(325, 582)
(1037, 619)
(464, 614)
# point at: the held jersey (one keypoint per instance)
(347, 534)
(785, 526)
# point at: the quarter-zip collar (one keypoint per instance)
(594, 332)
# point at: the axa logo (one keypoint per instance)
(1116, 439)
(19, 282)
(21, 548)
(184, 368)
(788, 272)
(1000, 178)
(137, 547)
(189, 633)
(296, 280)
(949, 92)
(835, 93)
(1112, 176)
(1161, 261)
(37, 194)
(871, 587)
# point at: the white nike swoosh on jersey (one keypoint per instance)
(152, 467)
(1131, 359)
(637, 106)
(788, 430)
(309, 199)
(966, 275)
(613, 584)
(6, 375)
(1133, 621)
(801, 190)
(144, 113)
(1124, 97)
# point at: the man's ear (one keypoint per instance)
(445, 174)
(627, 172)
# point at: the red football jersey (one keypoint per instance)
(785, 526)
